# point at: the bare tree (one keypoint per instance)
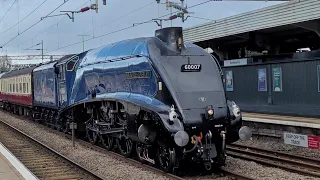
(5, 63)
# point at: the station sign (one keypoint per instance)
(301, 140)
(235, 62)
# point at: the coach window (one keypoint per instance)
(24, 87)
(16, 83)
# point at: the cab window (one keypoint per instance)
(71, 63)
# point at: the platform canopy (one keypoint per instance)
(292, 12)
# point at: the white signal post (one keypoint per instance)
(73, 126)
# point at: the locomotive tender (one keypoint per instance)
(157, 96)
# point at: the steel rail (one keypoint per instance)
(279, 153)
(130, 160)
(286, 161)
(51, 150)
(236, 175)
(97, 148)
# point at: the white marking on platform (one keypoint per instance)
(288, 123)
(16, 163)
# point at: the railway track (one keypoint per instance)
(41, 160)
(135, 162)
(93, 147)
(286, 161)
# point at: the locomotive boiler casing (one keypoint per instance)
(169, 92)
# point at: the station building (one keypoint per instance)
(270, 57)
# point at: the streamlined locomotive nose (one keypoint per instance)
(197, 116)
(202, 106)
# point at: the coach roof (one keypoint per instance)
(18, 72)
(2, 74)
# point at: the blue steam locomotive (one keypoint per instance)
(157, 96)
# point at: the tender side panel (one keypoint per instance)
(45, 88)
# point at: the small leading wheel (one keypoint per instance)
(107, 141)
(92, 136)
(125, 145)
(166, 158)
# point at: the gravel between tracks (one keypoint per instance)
(257, 171)
(277, 144)
(106, 166)
(113, 168)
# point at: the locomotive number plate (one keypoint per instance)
(191, 68)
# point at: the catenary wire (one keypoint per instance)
(201, 18)
(55, 24)
(8, 11)
(119, 30)
(114, 20)
(65, 1)
(24, 18)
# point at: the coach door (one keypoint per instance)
(62, 95)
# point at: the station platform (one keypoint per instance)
(11, 168)
(306, 122)
(301, 110)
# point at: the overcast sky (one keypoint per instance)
(105, 21)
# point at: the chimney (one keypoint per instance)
(172, 37)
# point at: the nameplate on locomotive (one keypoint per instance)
(138, 74)
(191, 68)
